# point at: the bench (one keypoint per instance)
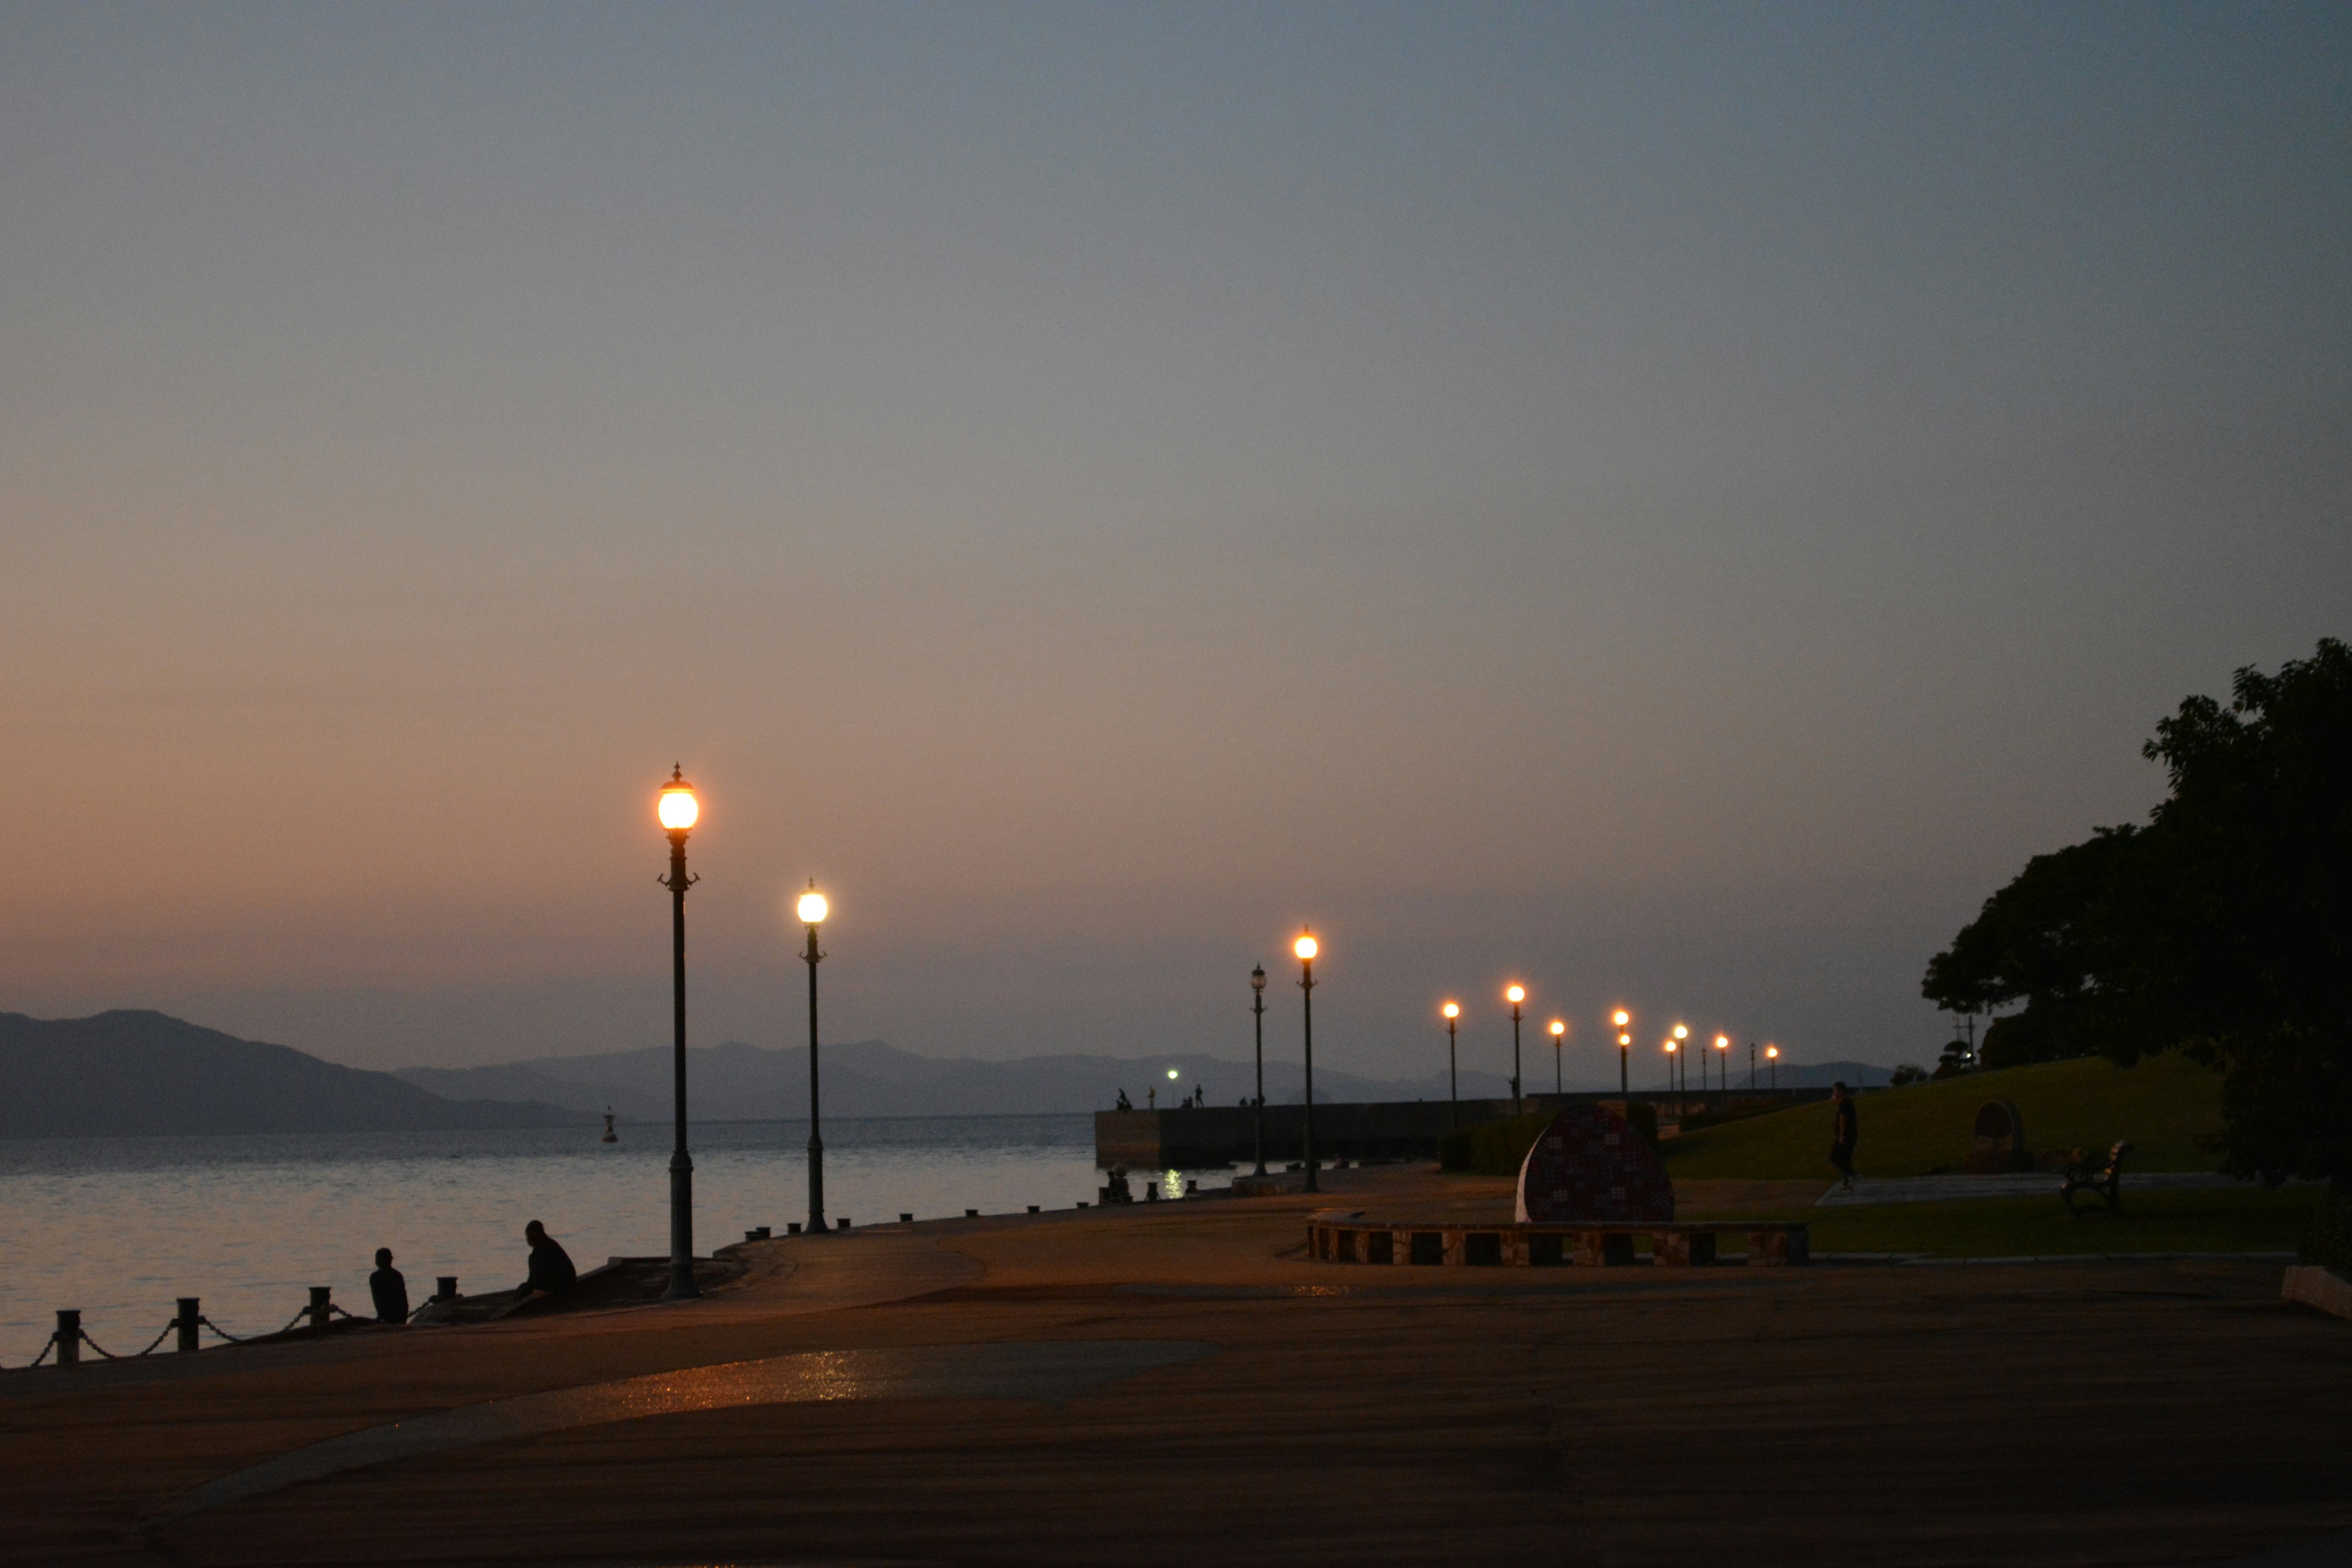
(1568, 1243)
(2106, 1179)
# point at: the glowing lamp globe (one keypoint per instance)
(813, 907)
(1557, 1028)
(1722, 1043)
(1772, 1052)
(1670, 1048)
(1452, 1009)
(1516, 994)
(1625, 1039)
(1681, 1033)
(1304, 948)
(1621, 1017)
(677, 807)
(1172, 1072)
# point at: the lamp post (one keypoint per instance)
(1670, 1064)
(1559, 1037)
(1516, 994)
(1751, 1067)
(1772, 1064)
(812, 910)
(1682, 1033)
(679, 810)
(1624, 1050)
(1453, 1010)
(1257, 1106)
(1306, 949)
(1723, 1063)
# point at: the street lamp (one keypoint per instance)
(1670, 1064)
(1453, 1011)
(677, 811)
(1516, 994)
(1559, 1036)
(1751, 1067)
(1772, 1064)
(1306, 949)
(812, 910)
(1682, 1033)
(1723, 1063)
(1624, 1049)
(1257, 1107)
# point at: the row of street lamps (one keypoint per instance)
(1621, 1020)
(677, 811)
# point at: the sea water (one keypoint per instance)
(121, 1226)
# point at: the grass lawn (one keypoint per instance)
(2165, 1106)
(2251, 1220)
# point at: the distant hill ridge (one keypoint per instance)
(132, 1074)
(735, 1081)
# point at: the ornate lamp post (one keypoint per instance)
(1723, 1063)
(1670, 1064)
(1559, 1037)
(1772, 1064)
(1624, 1049)
(1682, 1033)
(1257, 1106)
(1304, 947)
(679, 810)
(1453, 1011)
(1751, 1067)
(1516, 994)
(812, 910)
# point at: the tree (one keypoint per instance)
(2224, 925)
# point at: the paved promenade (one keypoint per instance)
(1178, 1384)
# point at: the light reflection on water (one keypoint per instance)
(119, 1226)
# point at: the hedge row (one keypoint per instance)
(1500, 1148)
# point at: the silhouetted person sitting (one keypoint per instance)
(550, 1266)
(1125, 1103)
(389, 1289)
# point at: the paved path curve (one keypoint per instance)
(1055, 1372)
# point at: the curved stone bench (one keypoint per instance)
(1576, 1243)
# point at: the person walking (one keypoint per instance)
(1843, 1131)
(389, 1287)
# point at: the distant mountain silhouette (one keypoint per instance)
(735, 1081)
(128, 1074)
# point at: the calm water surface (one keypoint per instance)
(119, 1227)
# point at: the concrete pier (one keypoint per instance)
(1377, 1130)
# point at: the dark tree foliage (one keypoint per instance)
(2222, 925)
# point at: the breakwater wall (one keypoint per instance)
(1218, 1134)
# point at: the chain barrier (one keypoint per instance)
(81, 1338)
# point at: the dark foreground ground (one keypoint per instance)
(1277, 1411)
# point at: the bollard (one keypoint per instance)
(751, 1235)
(444, 1288)
(1032, 1209)
(971, 1214)
(317, 1310)
(766, 1234)
(69, 1336)
(906, 1219)
(1082, 1203)
(841, 1224)
(187, 1322)
(792, 1229)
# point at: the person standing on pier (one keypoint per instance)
(390, 1290)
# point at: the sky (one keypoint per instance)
(1672, 505)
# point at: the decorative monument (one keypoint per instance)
(2000, 1142)
(1589, 1164)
